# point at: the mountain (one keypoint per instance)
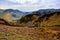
(49, 19)
(1, 10)
(26, 13)
(6, 16)
(11, 16)
(46, 11)
(18, 14)
(15, 13)
(45, 26)
(29, 17)
(36, 17)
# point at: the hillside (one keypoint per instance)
(43, 20)
(29, 18)
(7, 18)
(25, 33)
(49, 22)
(34, 19)
(33, 26)
(50, 19)
(17, 33)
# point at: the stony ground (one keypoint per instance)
(25, 33)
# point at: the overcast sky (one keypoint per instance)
(29, 5)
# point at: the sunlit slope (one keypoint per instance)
(42, 20)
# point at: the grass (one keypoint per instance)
(2, 34)
(17, 37)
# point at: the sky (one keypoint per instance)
(29, 5)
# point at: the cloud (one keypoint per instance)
(18, 1)
(9, 7)
(25, 1)
(29, 5)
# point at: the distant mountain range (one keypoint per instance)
(12, 15)
(46, 11)
(18, 14)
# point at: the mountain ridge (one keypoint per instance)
(47, 19)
